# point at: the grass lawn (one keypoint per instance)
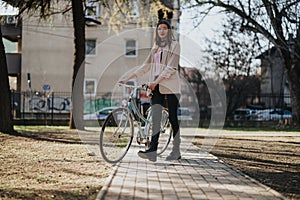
(44, 162)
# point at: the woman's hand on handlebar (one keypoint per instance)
(152, 86)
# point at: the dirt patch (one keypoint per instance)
(274, 161)
(48, 163)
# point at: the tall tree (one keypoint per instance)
(78, 68)
(275, 20)
(6, 123)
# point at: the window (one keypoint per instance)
(10, 47)
(130, 48)
(90, 47)
(90, 87)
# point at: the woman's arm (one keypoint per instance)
(128, 78)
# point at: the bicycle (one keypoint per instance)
(118, 129)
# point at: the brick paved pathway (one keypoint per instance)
(199, 175)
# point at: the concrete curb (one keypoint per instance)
(108, 181)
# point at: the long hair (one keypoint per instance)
(170, 36)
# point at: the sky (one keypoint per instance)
(192, 39)
(7, 10)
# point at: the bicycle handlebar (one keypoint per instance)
(143, 86)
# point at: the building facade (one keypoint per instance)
(274, 79)
(43, 63)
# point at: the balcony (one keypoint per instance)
(12, 30)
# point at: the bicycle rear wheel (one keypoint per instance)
(165, 131)
(116, 135)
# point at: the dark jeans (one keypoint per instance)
(158, 100)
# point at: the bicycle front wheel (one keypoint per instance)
(116, 135)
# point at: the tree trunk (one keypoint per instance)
(6, 125)
(76, 118)
(293, 74)
(294, 86)
(292, 62)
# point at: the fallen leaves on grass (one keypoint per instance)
(48, 164)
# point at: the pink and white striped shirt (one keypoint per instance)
(156, 61)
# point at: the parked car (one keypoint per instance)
(100, 114)
(243, 114)
(272, 114)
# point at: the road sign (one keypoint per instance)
(46, 87)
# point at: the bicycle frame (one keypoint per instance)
(132, 106)
(136, 114)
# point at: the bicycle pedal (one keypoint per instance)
(139, 140)
(144, 141)
(147, 144)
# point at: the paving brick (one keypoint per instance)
(199, 175)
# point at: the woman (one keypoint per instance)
(162, 62)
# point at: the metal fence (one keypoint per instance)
(36, 105)
(53, 105)
(57, 105)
